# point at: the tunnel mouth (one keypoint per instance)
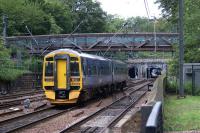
(133, 72)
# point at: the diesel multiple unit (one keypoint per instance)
(70, 76)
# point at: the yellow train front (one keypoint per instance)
(70, 76)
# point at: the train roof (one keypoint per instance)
(81, 54)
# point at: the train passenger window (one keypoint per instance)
(91, 67)
(74, 67)
(94, 69)
(84, 66)
(48, 69)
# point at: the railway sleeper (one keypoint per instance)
(89, 129)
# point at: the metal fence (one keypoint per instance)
(196, 82)
(155, 120)
(192, 78)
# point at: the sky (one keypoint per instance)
(129, 8)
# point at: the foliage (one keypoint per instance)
(146, 54)
(10, 74)
(52, 16)
(191, 25)
(64, 16)
(21, 13)
(61, 16)
(181, 114)
(137, 24)
(7, 70)
(114, 23)
(171, 85)
(33, 64)
(173, 67)
(89, 13)
(188, 87)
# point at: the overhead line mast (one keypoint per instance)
(181, 48)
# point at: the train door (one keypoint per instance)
(62, 77)
(61, 74)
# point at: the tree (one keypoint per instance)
(21, 13)
(61, 15)
(91, 15)
(114, 23)
(191, 25)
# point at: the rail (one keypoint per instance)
(108, 114)
(155, 121)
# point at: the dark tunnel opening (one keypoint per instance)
(133, 72)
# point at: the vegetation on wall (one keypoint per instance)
(8, 69)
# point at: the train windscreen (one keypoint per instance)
(74, 67)
(49, 69)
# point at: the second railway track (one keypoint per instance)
(16, 95)
(29, 119)
(102, 119)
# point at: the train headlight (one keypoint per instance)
(49, 79)
(48, 87)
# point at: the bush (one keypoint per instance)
(171, 85)
(8, 71)
(188, 87)
(9, 74)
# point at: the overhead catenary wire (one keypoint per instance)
(147, 8)
(66, 38)
(113, 37)
(74, 30)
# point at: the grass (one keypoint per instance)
(181, 114)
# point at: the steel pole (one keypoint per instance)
(181, 48)
(154, 27)
(4, 29)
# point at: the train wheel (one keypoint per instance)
(111, 89)
(121, 87)
(82, 99)
(103, 92)
(106, 91)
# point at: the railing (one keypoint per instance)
(155, 120)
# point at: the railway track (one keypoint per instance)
(23, 121)
(14, 102)
(17, 95)
(105, 118)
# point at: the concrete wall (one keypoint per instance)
(27, 81)
(135, 120)
(157, 90)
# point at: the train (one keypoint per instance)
(71, 77)
(153, 72)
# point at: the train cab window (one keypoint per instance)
(74, 67)
(49, 59)
(49, 69)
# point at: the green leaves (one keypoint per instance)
(7, 70)
(52, 16)
(191, 25)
